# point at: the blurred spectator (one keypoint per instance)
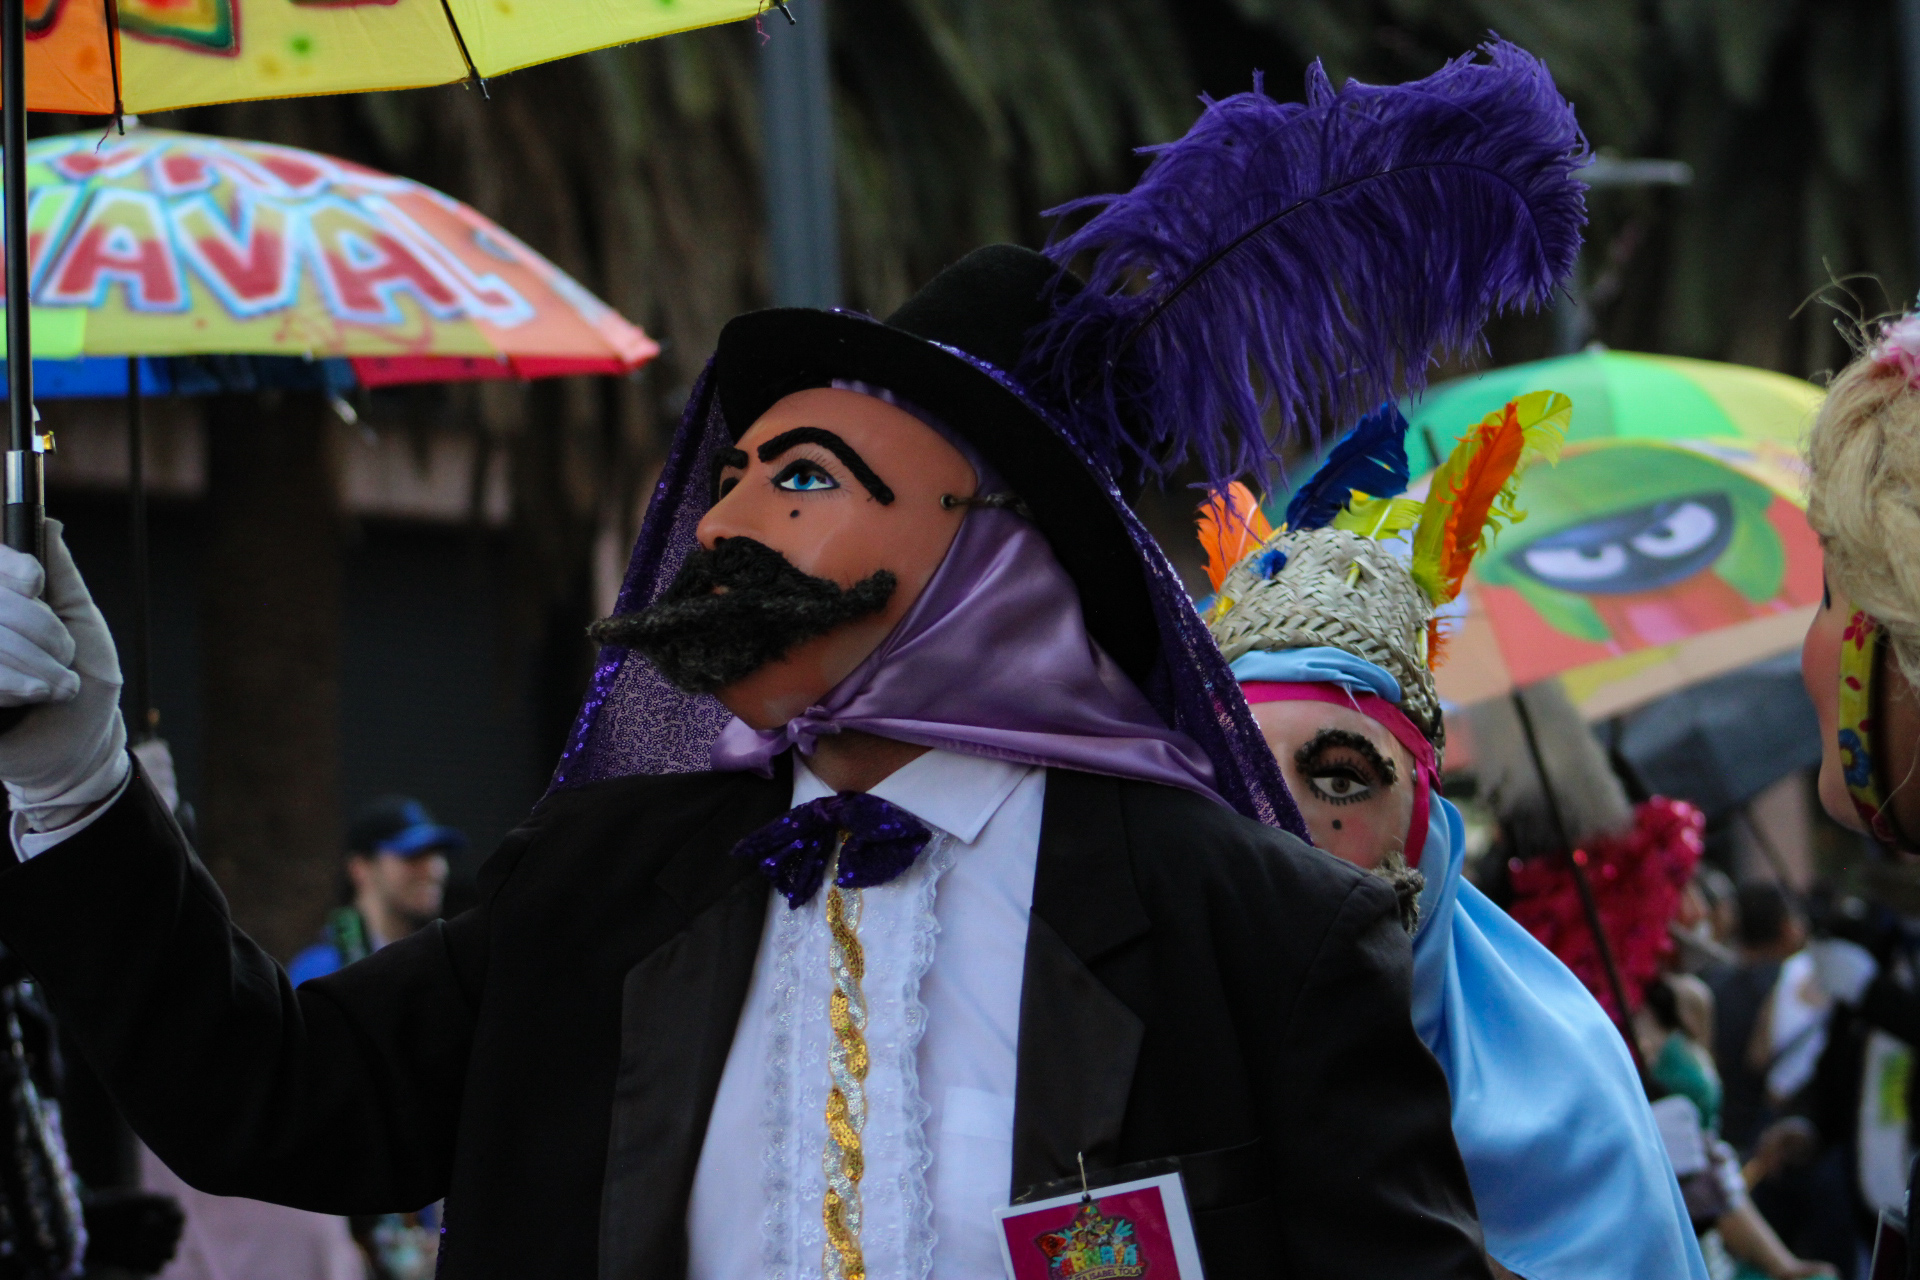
(1735, 1238)
(1708, 921)
(1721, 899)
(1768, 930)
(1769, 1034)
(396, 868)
(1862, 1096)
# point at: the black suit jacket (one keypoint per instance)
(1196, 985)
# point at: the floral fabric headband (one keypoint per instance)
(1862, 657)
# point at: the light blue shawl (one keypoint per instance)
(1568, 1171)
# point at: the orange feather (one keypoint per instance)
(1232, 527)
(1500, 444)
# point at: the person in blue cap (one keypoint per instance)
(397, 867)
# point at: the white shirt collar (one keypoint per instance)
(957, 793)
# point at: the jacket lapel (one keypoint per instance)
(679, 1008)
(1078, 1039)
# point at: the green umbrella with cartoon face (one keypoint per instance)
(1668, 546)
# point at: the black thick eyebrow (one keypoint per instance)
(835, 445)
(1383, 767)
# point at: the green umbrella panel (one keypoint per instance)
(1623, 395)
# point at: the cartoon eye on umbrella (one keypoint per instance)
(1630, 544)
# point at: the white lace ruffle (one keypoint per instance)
(917, 1251)
(898, 932)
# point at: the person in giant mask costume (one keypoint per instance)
(1331, 629)
(905, 855)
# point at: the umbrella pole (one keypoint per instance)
(25, 483)
(1577, 864)
(143, 719)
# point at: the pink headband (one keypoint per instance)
(1382, 712)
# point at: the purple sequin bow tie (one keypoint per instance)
(792, 851)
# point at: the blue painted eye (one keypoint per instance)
(804, 477)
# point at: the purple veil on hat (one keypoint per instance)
(1187, 727)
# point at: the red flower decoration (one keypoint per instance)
(1638, 879)
(1860, 629)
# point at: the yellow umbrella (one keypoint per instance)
(180, 53)
(108, 57)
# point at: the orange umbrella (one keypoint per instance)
(176, 245)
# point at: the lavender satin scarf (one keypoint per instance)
(993, 660)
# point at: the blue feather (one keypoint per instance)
(1371, 458)
(1305, 261)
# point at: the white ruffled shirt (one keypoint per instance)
(945, 952)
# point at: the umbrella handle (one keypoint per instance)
(25, 481)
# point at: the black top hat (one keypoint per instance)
(983, 305)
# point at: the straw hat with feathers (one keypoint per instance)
(1330, 576)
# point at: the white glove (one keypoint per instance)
(70, 752)
(1844, 968)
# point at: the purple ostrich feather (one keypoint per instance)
(1310, 259)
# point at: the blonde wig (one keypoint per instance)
(1864, 498)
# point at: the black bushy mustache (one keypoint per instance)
(732, 610)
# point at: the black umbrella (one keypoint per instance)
(1719, 744)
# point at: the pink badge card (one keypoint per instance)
(1138, 1230)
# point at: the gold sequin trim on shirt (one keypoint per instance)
(847, 1063)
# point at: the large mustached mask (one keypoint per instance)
(1282, 261)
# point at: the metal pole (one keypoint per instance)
(25, 482)
(1581, 884)
(143, 721)
(796, 111)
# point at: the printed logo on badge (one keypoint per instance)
(1124, 1232)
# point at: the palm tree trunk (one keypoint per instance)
(271, 646)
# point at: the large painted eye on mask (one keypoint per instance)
(804, 476)
(1340, 785)
(1341, 767)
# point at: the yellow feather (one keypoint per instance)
(1378, 518)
